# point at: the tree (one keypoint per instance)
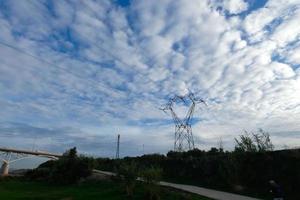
(254, 142)
(129, 173)
(152, 176)
(71, 153)
(245, 144)
(263, 141)
(70, 168)
(66, 170)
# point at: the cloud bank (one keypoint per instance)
(78, 73)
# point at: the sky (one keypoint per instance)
(77, 73)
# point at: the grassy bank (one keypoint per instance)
(108, 190)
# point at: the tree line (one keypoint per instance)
(246, 170)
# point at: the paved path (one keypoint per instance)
(214, 194)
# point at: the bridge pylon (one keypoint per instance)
(4, 168)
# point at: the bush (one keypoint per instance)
(245, 171)
(128, 172)
(152, 176)
(66, 170)
(254, 142)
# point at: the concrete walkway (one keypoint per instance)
(214, 194)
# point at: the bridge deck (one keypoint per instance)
(37, 153)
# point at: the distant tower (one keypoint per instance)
(183, 127)
(220, 144)
(118, 148)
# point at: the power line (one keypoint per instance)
(57, 66)
(113, 56)
(118, 92)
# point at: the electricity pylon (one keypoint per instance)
(183, 127)
(118, 147)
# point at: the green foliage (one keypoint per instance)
(254, 142)
(66, 170)
(242, 172)
(129, 173)
(263, 141)
(245, 144)
(152, 176)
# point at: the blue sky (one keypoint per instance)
(77, 73)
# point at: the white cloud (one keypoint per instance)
(293, 56)
(235, 6)
(122, 63)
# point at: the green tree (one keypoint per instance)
(254, 142)
(263, 141)
(129, 173)
(66, 170)
(245, 143)
(152, 176)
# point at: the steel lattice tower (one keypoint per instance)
(118, 147)
(183, 128)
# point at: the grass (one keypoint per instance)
(110, 190)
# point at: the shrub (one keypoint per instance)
(254, 142)
(66, 170)
(152, 176)
(129, 173)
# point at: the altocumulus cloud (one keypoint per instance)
(76, 73)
